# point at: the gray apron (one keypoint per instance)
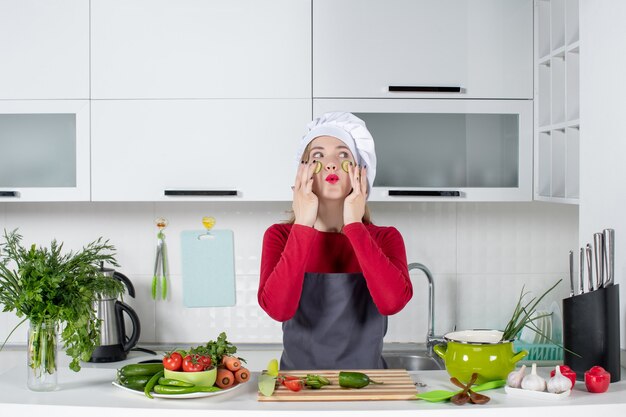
(336, 326)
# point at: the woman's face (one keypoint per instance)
(332, 181)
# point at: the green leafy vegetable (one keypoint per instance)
(44, 285)
(217, 349)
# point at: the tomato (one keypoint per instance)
(293, 384)
(566, 371)
(205, 361)
(172, 361)
(597, 380)
(191, 363)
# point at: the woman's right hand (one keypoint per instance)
(305, 201)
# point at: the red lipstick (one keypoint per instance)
(332, 178)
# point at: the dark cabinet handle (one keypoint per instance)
(200, 193)
(423, 89)
(9, 194)
(423, 193)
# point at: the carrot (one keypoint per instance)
(242, 375)
(231, 363)
(225, 378)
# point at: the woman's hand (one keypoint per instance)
(305, 201)
(354, 204)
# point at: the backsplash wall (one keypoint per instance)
(481, 254)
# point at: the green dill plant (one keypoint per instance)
(49, 287)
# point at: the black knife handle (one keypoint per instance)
(423, 193)
(9, 194)
(200, 193)
(423, 89)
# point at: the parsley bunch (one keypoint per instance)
(45, 286)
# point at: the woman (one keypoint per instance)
(329, 274)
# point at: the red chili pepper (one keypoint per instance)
(597, 379)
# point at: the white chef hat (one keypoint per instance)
(350, 130)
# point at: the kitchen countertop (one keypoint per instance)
(90, 392)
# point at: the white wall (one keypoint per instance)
(480, 254)
(602, 134)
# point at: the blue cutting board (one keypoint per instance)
(208, 267)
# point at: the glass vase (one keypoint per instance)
(42, 356)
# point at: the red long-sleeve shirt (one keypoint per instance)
(291, 250)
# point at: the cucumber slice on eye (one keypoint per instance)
(345, 165)
(318, 167)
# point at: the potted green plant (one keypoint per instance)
(51, 289)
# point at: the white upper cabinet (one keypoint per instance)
(44, 49)
(480, 48)
(196, 150)
(186, 49)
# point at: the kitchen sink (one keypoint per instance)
(411, 362)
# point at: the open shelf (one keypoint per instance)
(557, 101)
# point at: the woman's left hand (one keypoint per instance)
(354, 204)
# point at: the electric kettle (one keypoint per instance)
(114, 343)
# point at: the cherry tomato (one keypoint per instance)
(191, 363)
(173, 361)
(293, 384)
(566, 371)
(205, 361)
(597, 380)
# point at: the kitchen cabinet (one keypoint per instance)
(557, 103)
(484, 48)
(44, 47)
(447, 150)
(44, 150)
(186, 49)
(196, 150)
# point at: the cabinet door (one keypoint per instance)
(447, 150)
(201, 49)
(484, 47)
(44, 49)
(44, 150)
(190, 150)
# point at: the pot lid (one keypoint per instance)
(476, 337)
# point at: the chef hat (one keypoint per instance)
(350, 130)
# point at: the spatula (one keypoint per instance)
(443, 395)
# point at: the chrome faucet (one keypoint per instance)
(431, 339)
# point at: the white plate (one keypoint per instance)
(537, 395)
(557, 322)
(179, 396)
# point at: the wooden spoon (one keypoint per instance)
(474, 397)
(463, 397)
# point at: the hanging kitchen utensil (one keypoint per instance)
(161, 268)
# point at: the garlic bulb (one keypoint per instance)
(514, 380)
(559, 383)
(533, 381)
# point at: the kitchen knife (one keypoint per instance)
(581, 272)
(589, 268)
(598, 246)
(609, 255)
(571, 273)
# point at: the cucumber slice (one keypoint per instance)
(318, 167)
(345, 165)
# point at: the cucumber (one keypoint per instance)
(318, 167)
(140, 369)
(345, 165)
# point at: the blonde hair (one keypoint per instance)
(367, 219)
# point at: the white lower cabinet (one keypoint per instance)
(44, 150)
(196, 150)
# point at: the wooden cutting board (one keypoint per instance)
(397, 385)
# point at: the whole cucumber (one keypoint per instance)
(355, 380)
(140, 369)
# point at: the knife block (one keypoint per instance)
(591, 329)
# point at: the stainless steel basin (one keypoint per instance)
(411, 362)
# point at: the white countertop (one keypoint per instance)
(90, 392)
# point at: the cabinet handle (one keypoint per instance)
(9, 194)
(423, 89)
(200, 193)
(423, 193)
